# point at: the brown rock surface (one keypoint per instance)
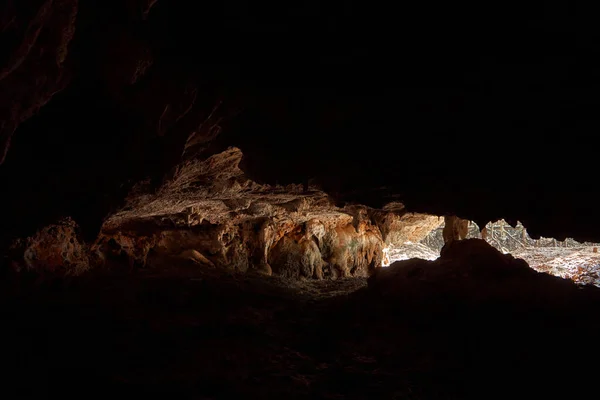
(209, 207)
(455, 228)
(158, 90)
(294, 257)
(56, 248)
(148, 80)
(401, 227)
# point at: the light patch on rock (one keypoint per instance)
(197, 257)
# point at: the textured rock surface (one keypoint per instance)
(211, 209)
(57, 248)
(209, 213)
(447, 123)
(401, 227)
(455, 228)
(151, 86)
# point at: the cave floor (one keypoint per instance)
(186, 333)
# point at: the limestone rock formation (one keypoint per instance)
(211, 206)
(155, 89)
(56, 248)
(122, 248)
(401, 227)
(455, 228)
(210, 213)
(196, 257)
(294, 257)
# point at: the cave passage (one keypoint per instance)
(568, 259)
(198, 198)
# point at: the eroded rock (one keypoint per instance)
(297, 256)
(56, 248)
(210, 207)
(196, 257)
(131, 248)
(209, 212)
(455, 228)
(400, 227)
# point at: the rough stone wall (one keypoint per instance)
(208, 212)
(56, 248)
(315, 251)
(294, 257)
(402, 227)
(311, 249)
(455, 228)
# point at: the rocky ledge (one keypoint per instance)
(208, 212)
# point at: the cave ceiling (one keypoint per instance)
(484, 117)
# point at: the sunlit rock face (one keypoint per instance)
(210, 207)
(401, 227)
(209, 214)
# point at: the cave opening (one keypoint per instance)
(567, 259)
(198, 198)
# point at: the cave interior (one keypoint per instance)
(329, 201)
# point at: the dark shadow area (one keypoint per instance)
(447, 109)
(474, 324)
